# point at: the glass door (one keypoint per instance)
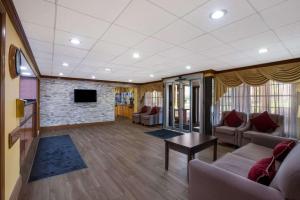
(186, 106)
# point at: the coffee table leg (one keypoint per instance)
(166, 156)
(215, 150)
(190, 157)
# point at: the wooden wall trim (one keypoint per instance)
(61, 127)
(14, 136)
(17, 189)
(2, 100)
(13, 15)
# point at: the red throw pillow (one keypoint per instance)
(263, 123)
(153, 111)
(144, 109)
(232, 119)
(263, 171)
(282, 149)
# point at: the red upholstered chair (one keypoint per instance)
(153, 118)
(136, 117)
(227, 134)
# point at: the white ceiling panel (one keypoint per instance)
(178, 32)
(289, 32)
(38, 32)
(36, 11)
(127, 58)
(102, 9)
(218, 51)
(39, 46)
(175, 52)
(202, 43)
(58, 59)
(152, 45)
(122, 36)
(283, 14)
(81, 24)
(242, 29)
(95, 56)
(69, 51)
(263, 4)
(235, 10)
(144, 17)
(109, 48)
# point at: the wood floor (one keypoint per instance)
(123, 163)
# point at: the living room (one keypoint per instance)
(149, 99)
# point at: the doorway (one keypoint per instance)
(183, 104)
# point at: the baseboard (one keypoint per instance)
(60, 127)
(16, 191)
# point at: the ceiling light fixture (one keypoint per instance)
(188, 67)
(136, 55)
(65, 64)
(23, 68)
(107, 69)
(151, 75)
(61, 74)
(218, 14)
(93, 77)
(75, 41)
(263, 50)
(26, 73)
(130, 80)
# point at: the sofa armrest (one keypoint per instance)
(244, 128)
(209, 182)
(267, 140)
(278, 131)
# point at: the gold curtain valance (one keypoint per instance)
(287, 73)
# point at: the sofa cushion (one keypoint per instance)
(235, 164)
(263, 123)
(254, 152)
(282, 149)
(287, 178)
(233, 120)
(144, 109)
(154, 110)
(263, 171)
(226, 130)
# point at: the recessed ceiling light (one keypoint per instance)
(151, 75)
(61, 74)
(93, 77)
(26, 73)
(188, 67)
(65, 64)
(23, 68)
(263, 50)
(129, 80)
(107, 69)
(218, 14)
(75, 41)
(136, 55)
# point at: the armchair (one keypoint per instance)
(245, 133)
(152, 119)
(226, 133)
(136, 117)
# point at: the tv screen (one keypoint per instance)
(85, 95)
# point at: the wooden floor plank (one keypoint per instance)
(123, 163)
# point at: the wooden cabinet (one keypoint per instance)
(124, 111)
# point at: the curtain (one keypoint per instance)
(274, 97)
(153, 99)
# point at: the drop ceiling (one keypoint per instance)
(168, 35)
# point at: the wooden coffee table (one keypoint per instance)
(190, 144)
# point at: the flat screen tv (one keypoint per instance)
(85, 95)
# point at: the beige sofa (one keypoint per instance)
(226, 134)
(244, 134)
(227, 177)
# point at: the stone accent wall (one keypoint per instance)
(57, 106)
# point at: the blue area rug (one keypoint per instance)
(164, 133)
(55, 155)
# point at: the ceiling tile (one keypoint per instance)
(127, 58)
(275, 50)
(69, 51)
(95, 56)
(152, 61)
(202, 43)
(260, 5)
(256, 41)
(241, 29)
(235, 10)
(178, 32)
(42, 13)
(151, 46)
(175, 52)
(293, 46)
(122, 36)
(38, 32)
(110, 48)
(37, 45)
(72, 61)
(80, 24)
(102, 9)
(289, 32)
(218, 51)
(282, 14)
(179, 7)
(63, 38)
(144, 17)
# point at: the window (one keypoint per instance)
(153, 99)
(274, 97)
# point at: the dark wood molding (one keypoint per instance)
(282, 62)
(2, 99)
(17, 189)
(14, 136)
(14, 17)
(61, 127)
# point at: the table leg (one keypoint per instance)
(166, 156)
(190, 157)
(215, 150)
